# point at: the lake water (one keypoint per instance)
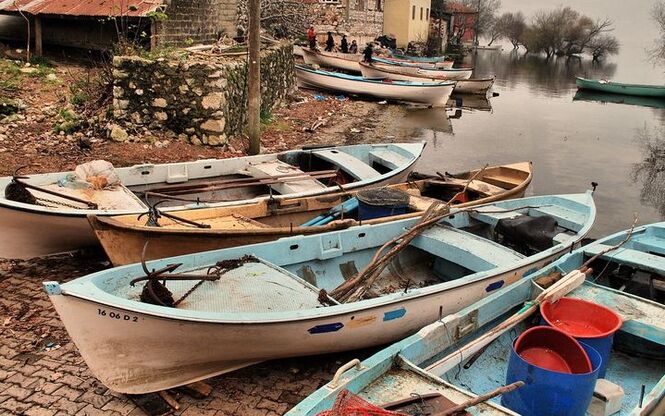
(572, 140)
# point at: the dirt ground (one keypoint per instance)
(41, 371)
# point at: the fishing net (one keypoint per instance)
(349, 404)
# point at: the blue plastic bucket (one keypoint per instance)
(383, 202)
(588, 322)
(550, 393)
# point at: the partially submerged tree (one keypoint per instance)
(602, 46)
(658, 14)
(512, 26)
(487, 10)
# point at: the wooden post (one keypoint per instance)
(38, 36)
(254, 78)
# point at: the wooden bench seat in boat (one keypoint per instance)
(461, 247)
(117, 197)
(491, 214)
(640, 317)
(224, 222)
(631, 257)
(476, 185)
(272, 289)
(567, 218)
(350, 164)
(277, 168)
(388, 158)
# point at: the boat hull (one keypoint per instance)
(113, 341)
(621, 88)
(433, 94)
(470, 86)
(347, 62)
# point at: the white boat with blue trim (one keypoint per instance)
(274, 304)
(338, 60)
(463, 355)
(447, 73)
(435, 95)
(189, 185)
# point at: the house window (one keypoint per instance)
(426, 14)
(378, 6)
(413, 13)
(421, 13)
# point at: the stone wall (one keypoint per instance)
(203, 101)
(197, 21)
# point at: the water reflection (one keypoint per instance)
(619, 99)
(470, 102)
(553, 77)
(651, 170)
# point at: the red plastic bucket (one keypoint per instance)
(547, 347)
(588, 322)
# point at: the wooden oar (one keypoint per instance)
(480, 399)
(89, 204)
(187, 187)
(555, 292)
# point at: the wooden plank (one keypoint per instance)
(350, 164)
(644, 261)
(38, 36)
(461, 247)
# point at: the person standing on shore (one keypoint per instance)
(330, 42)
(344, 45)
(368, 52)
(311, 37)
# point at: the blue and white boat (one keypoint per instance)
(435, 95)
(438, 359)
(272, 306)
(448, 73)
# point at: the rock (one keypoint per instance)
(28, 70)
(118, 134)
(159, 102)
(52, 78)
(161, 116)
(214, 140)
(216, 126)
(138, 91)
(120, 104)
(213, 101)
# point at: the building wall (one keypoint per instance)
(197, 21)
(363, 21)
(407, 20)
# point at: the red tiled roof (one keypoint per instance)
(83, 7)
(456, 7)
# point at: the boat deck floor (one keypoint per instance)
(271, 290)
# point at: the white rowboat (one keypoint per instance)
(338, 60)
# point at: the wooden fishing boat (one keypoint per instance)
(465, 355)
(447, 73)
(338, 60)
(189, 185)
(418, 61)
(620, 87)
(435, 95)
(470, 86)
(123, 237)
(270, 305)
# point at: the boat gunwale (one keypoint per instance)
(387, 62)
(93, 293)
(355, 78)
(619, 84)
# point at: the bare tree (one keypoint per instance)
(658, 14)
(283, 18)
(512, 26)
(487, 10)
(495, 31)
(603, 45)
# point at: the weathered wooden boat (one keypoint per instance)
(123, 237)
(387, 60)
(435, 95)
(338, 60)
(464, 355)
(470, 86)
(447, 73)
(189, 185)
(418, 61)
(612, 87)
(271, 304)
(602, 97)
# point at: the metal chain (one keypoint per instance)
(55, 204)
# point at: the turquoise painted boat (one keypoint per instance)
(434, 359)
(620, 87)
(271, 305)
(429, 59)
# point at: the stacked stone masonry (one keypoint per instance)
(197, 21)
(203, 101)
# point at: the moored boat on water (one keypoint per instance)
(469, 86)
(271, 304)
(61, 201)
(338, 60)
(414, 92)
(123, 237)
(604, 97)
(462, 357)
(613, 87)
(420, 61)
(404, 67)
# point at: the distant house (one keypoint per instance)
(97, 24)
(462, 23)
(407, 20)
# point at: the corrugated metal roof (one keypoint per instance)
(99, 8)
